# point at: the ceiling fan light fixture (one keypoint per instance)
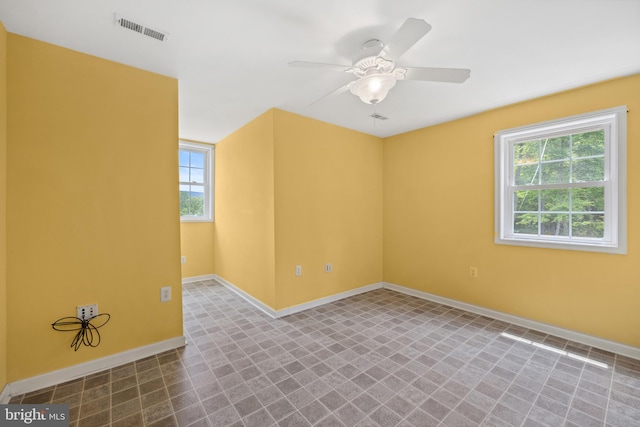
(373, 88)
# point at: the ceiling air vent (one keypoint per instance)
(128, 24)
(379, 117)
(158, 35)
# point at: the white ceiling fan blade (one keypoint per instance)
(339, 91)
(411, 31)
(335, 67)
(447, 75)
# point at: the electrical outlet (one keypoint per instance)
(87, 311)
(473, 272)
(183, 260)
(328, 268)
(165, 294)
(298, 270)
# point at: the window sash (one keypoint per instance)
(511, 214)
(570, 132)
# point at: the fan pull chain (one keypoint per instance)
(373, 116)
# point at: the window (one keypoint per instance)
(196, 189)
(562, 184)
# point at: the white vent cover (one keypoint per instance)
(129, 24)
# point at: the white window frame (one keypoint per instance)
(208, 151)
(614, 122)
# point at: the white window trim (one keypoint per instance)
(208, 186)
(615, 240)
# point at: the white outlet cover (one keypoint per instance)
(165, 294)
(87, 311)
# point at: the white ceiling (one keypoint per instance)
(230, 56)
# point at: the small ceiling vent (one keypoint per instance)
(128, 24)
(158, 35)
(379, 117)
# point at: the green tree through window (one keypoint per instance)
(574, 158)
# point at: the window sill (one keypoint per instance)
(196, 220)
(576, 246)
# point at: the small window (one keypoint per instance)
(562, 184)
(196, 179)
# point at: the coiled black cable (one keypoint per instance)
(88, 333)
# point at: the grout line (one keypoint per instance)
(613, 372)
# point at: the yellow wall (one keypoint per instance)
(3, 206)
(295, 191)
(328, 209)
(438, 221)
(92, 204)
(244, 248)
(196, 243)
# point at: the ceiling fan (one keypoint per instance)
(376, 70)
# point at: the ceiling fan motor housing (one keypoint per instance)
(370, 48)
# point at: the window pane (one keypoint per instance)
(197, 160)
(191, 200)
(554, 225)
(554, 200)
(196, 191)
(184, 158)
(196, 202)
(585, 170)
(184, 174)
(588, 144)
(588, 199)
(556, 148)
(184, 199)
(526, 175)
(526, 200)
(555, 172)
(197, 175)
(525, 223)
(588, 225)
(526, 152)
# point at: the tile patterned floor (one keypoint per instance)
(376, 359)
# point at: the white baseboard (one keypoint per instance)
(87, 368)
(198, 278)
(245, 296)
(4, 395)
(296, 308)
(568, 334)
(326, 300)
